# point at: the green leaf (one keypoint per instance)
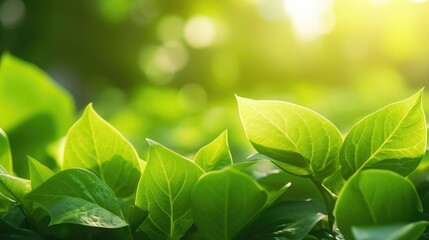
(375, 197)
(10, 232)
(94, 144)
(215, 155)
(399, 231)
(335, 182)
(78, 196)
(5, 154)
(13, 188)
(286, 220)
(302, 141)
(39, 173)
(36, 110)
(224, 201)
(165, 191)
(392, 138)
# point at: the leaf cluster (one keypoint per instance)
(101, 189)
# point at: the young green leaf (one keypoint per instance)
(286, 220)
(78, 196)
(375, 197)
(39, 173)
(398, 231)
(215, 155)
(165, 191)
(225, 201)
(335, 182)
(94, 144)
(302, 141)
(5, 154)
(13, 188)
(392, 138)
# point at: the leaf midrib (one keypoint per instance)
(386, 141)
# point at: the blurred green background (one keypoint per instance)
(168, 70)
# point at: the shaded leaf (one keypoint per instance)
(215, 155)
(10, 232)
(286, 220)
(399, 231)
(224, 201)
(392, 138)
(39, 173)
(375, 197)
(301, 140)
(39, 111)
(80, 197)
(13, 188)
(165, 191)
(94, 144)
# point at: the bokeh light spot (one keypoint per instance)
(200, 32)
(12, 13)
(310, 18)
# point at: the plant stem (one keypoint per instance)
(329, 200)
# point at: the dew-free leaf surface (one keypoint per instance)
(392, 138)
(78, 196)
(94, 144)
(224, 201)
(304, 142)
(165, 191)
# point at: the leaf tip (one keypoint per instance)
(151, 142)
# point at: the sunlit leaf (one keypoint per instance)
(286, 220)
(165, 191)
(39, 173)
(399, 231)
(224, 201)
(80, 197)
(392, 138)
(5, 154)
(375, 197)
(301, 140)
(215, 155)
(94, 144)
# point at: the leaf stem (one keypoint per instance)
(329, 200)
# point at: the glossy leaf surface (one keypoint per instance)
(78, 196)
(399, 231)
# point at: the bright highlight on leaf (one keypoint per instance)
(80, 197)
(392, 138)
(165, 191)
(215, 155)
(94, 144)
(225, 201)
(302, 141)
(376, 197)
(399, 231)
